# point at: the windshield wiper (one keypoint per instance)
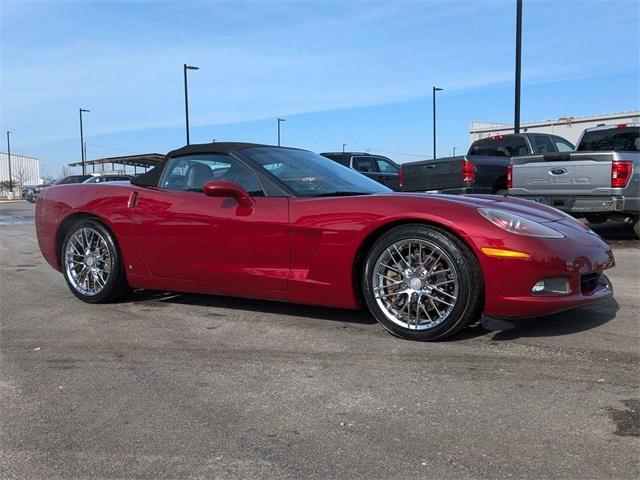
(340, 194)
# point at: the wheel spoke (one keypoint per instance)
(87, 261)
(424, 300)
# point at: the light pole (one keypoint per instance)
(280, 120)
(343, 145)
(186, 97)
(516, 114)
(9, 159)
(435, 89)
(454, 151)
(84, 167)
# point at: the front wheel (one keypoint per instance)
(92, 264)
(422, 283)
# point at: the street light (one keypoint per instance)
(9, 159)
(454, 151)
(343, 145)
(516, 113)
(186, 97)
(84, 167)
(435, 89)
(280, 120)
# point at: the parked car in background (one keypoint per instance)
(599, 181)
(27, 191)
(108, 178)
(60, 181)
(483, 169)
(379, 168)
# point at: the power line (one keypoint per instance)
(395, 153)
(111, 148)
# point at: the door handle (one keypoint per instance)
(431, 166)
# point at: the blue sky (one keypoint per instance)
(349, 72)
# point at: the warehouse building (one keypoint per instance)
(567, 127)
(24, 171)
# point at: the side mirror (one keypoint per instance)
(228, 189)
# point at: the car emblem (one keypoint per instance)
(558, 171)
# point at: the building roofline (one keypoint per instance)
(491, 127)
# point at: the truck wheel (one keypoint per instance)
(596, 219)
(636, 227)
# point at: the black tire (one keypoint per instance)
(636, 227)
(470, 286)
(115, 287)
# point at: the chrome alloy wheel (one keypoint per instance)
(415, 284)
(87, 261)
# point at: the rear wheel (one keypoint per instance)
(92, 264)
(422, 283)
(636, 227)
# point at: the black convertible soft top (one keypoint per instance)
(152, 177)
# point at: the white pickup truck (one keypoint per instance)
(600, 180)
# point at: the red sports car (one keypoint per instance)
(287, 224)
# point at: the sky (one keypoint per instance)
(354, 72)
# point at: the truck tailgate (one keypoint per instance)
(575, 173)
(438, 174)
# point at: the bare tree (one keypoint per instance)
(20, 175)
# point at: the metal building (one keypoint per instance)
(24, 170)
(567, 127)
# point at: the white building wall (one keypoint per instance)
(26, 169)
(567, 127)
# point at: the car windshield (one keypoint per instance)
(311, 175)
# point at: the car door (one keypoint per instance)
(366, 166)
(389, 172)
(182, 233)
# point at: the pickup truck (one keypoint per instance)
(600, 180)
(379, 168)
(482, 170)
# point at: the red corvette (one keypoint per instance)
(287, 224)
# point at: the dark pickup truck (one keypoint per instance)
(483, 169)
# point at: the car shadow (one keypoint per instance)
(361, 316)
(615, 230)
(563, 323)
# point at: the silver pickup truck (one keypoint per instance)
(599, 181)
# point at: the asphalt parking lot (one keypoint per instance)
(190, 386)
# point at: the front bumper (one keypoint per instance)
(581, 258)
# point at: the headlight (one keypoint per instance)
(512, 223)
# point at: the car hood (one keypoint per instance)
(525, 208)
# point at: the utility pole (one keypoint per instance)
(84, 166)
(516, 115)
(343, 145)
(186, 97)
(280, 120)
(454, 151)
(9, 158)
(435, 89)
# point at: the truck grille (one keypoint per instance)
(589, 282)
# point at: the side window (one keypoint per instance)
(562, 145)
(191, 172)
(543, 144)
(385, 166)
(363, 164)
(516, 146)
